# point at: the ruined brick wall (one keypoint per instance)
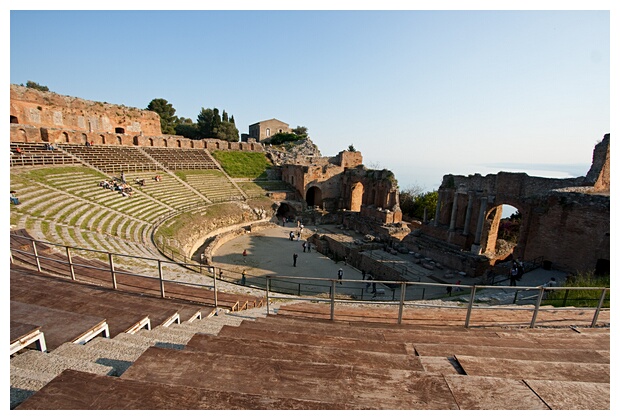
(599, 173)
(49, 117)
(51, 110)
(571, 230)
(346, 187)
(348, 159)
(563, 221)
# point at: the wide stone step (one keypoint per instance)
(365, 388)
(148, 341)
(54, 365)
(169, 335)
(25, 383)
(103, 355)
(81, 391)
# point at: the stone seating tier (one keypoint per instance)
(349, 365)
(175, 159)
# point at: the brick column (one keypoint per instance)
(453, 215)
(470, 202)
(438, 208)
(483, 209)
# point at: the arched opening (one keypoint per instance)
(357, 192)
(65, 137)
(135, 141)
(119, 130)
(314, 197)
(285, 212)
(21, 136)
(371, 198)
(179, 144)
(84, 138)
(504, 227)
(120, 140)
(268, 132)
(102, 137)
(14, 120)
(165, 143)
(151, 142)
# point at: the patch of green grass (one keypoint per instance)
(240, 164)
(580, 298)
(45, 229)
(183, 174)
(40, 175)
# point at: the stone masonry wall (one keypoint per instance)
(48, 109)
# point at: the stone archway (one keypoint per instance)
(503, 232)
(314, 197)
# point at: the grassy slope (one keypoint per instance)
(239, 164)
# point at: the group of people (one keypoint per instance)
(122, 187)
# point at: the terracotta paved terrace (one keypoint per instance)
(297, 359)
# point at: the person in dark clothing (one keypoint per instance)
(295, 259)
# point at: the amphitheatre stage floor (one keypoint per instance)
(270, 252)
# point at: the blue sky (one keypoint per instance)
(421, 92)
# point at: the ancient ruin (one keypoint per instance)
(565, 222)
(48, 117)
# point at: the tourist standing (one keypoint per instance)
(340, 274)
(514, 273)
(295, 259)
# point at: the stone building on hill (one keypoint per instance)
(263, 130)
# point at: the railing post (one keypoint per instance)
(215, 286)
(70, 263)
(470, 306)
(598, 308)
(161, 279)
(333, 300)
(541, 292)
(36, 256)
(401, 305)
(112, 272)
(267, 286)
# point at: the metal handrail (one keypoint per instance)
(332, 284)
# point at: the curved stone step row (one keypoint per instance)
(85, 184)
(214, 187)
(169, 190)
(70, 210)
